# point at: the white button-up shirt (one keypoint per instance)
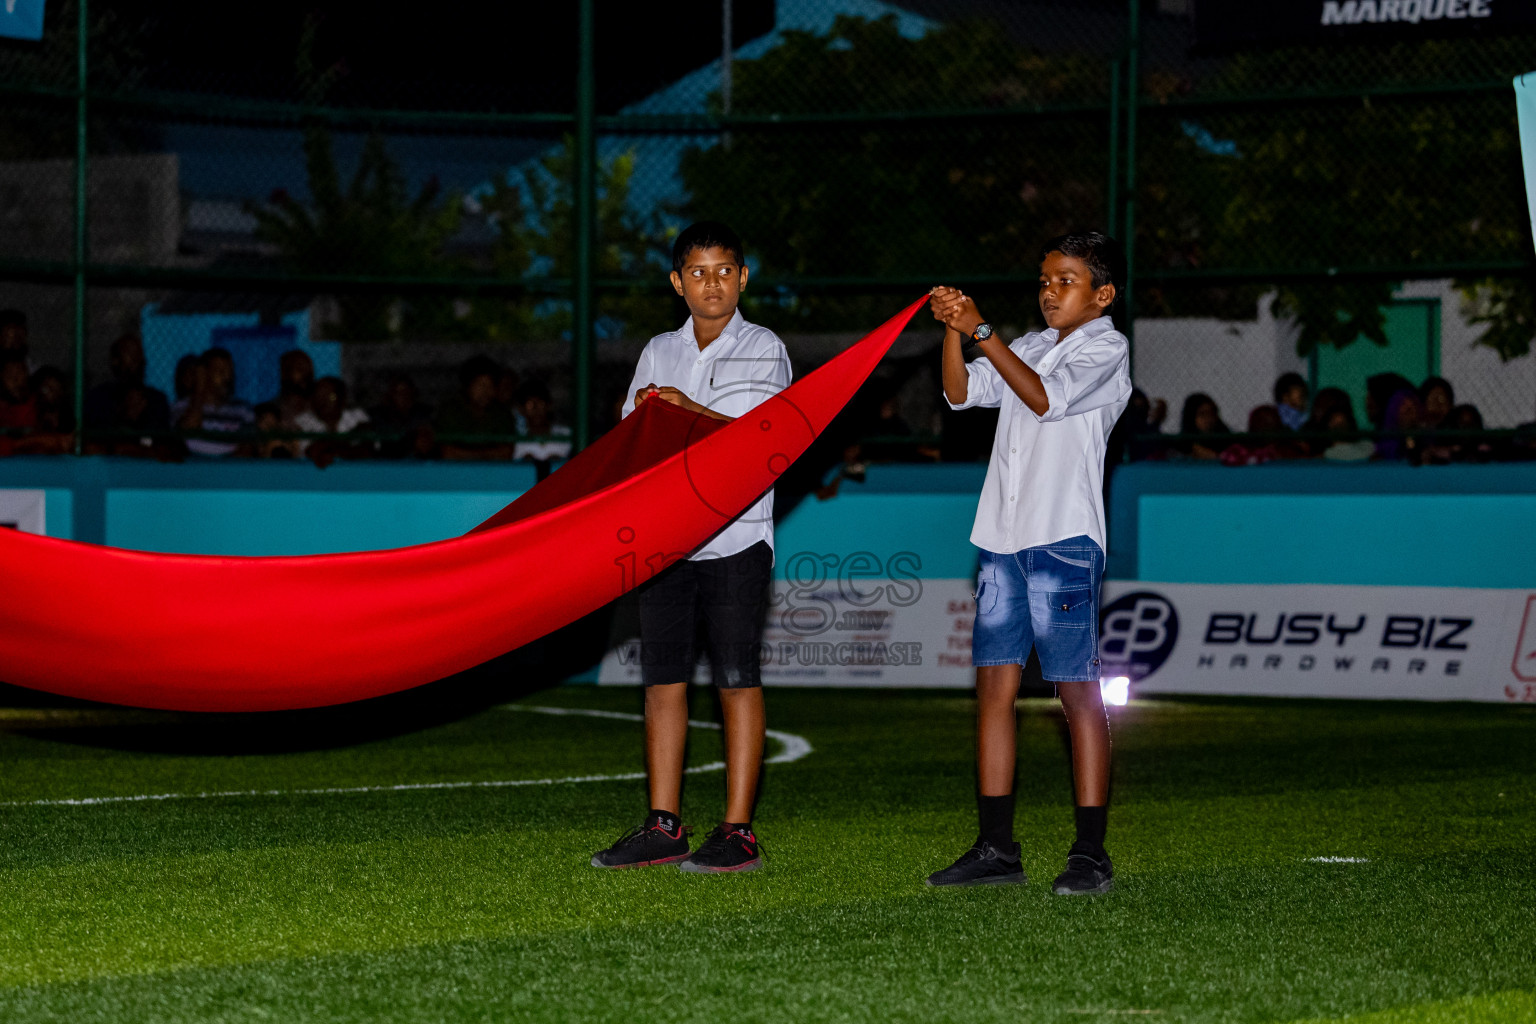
(734, 374)
(1045, 481)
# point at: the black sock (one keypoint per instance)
(996, 813)
(735, 826)
(1091, 824)
(666, 819)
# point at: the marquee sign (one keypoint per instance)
(1225, 24)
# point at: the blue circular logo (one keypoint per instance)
(1136, 634)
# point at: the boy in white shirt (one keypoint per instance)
(721, 366)
(1040, 528)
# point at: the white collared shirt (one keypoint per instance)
(1045, 481)
(734, 374)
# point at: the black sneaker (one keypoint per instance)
(1088, 871)
(983, 864)
(651, 843)
(736, 850)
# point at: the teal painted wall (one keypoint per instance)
(237, 522)
(1417, 540)
(1372, 524)
(59, 512)
(936, 527)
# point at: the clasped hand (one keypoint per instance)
(955, 310)
(667, 394)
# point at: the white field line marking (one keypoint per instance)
(1337, 860)
(794, 748)
(1115, 1011)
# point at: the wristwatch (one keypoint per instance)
(982, 333)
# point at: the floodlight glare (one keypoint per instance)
(1116, 690)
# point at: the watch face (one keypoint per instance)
(983, 332)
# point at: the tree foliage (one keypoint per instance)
(890, 199)
(371, 226)
(1420, 179)
(533, 209)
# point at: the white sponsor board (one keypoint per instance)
(880, 627)
(1416, 643)
(883, 626)
(24, 510)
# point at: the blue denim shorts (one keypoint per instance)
(1046, 598)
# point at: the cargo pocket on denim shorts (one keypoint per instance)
(1071, 609)
(1069, 601)
(986, 590)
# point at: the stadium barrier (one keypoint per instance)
(1365, 580)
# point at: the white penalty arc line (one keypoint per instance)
(792, 748)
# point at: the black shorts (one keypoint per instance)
(716, 603)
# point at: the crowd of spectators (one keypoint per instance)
(494, 416)
(1418, 424)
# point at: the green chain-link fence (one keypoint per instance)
(1334, 210)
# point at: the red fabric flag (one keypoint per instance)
(211, 633)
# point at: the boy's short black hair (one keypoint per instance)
(1285, 382)
(706, 234)
(13, 318)
(1102, 254)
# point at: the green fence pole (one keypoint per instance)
(1128, 222)
(1112, 197)
(82, 37)
(586, 215)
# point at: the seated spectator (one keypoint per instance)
(1404, 416)
(404, 419)
(1201, 416)
(212, 406)
(269, 420)
(136, 410)
(1459, 422)
(295, 380)
(533, 400)
(1341, 425)
(34, 424)
(18, 406)
(329, 413)
(885, 431)
(507, 385)
(1291, 400)
(104, 404)
(55, 411)
(1437, 398)
(1130, 440)
(14, 339)
(1318, 427)
(1264, 423)
(890, 422)
(1379, 390)
(476, 412)
(853, 468)
(185, 377)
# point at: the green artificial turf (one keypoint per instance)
(477, 903)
